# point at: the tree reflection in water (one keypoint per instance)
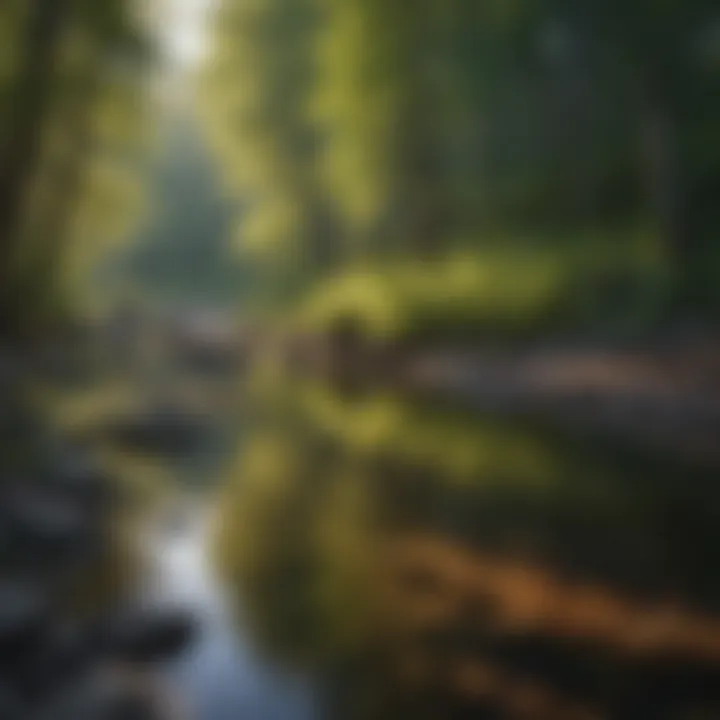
(436, 565)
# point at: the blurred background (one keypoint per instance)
(374, 349)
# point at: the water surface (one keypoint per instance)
(366, 555)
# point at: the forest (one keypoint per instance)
(359, 359)
(457, 166)
(448, 169)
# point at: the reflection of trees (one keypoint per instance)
(297, 544)
(611, 517)
(468, 565)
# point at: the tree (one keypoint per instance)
(265, 140)
(73, 54)
(31, 94)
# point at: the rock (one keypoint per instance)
(65, 654)
(79, 480)
(20, 433)
(163, 431)
(24, 615)
(40, 522)
(148, 636)
(12, 368)
(11, 706)
(129, 708)
(104, 696)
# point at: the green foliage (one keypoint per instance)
(261, 134)
(504, 292)
(464, 450)
(431, 129)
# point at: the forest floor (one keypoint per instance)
(664, 394)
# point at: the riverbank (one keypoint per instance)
(74, 640)
(662, 396)
(658, 394)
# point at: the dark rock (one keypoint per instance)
(24, 615)
(162, 431)
(66, 653)
(103, 697)
(79, 480)
(11, 706)
(148, 636)
(41, 522)
(129, 707)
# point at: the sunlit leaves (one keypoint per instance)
(270, 230)
(256, 93)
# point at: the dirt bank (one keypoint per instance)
(663, 397)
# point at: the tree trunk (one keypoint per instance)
(665, 182)
(665, 171)
(31, 98)
(52, 233)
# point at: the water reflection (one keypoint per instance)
(368, 556)
(433, 564)
(221, 677)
